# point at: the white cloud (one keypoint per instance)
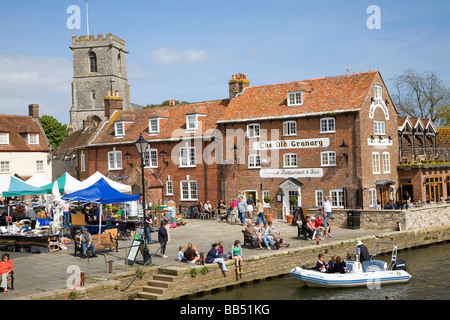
(27, 80)
(170, 56)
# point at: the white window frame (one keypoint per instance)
(119, 126)
(372, 197)
(4, 167)
(294, 98)
(253, 160)
(328, 159)
(376, 169)
(30, 140)
(290, 160)
(151, 158)
(290, 128)
(190, 184)
(339, 194)
(116, 158)
(319, 198)
(265, 193)
(327, 125)
(386, 162)
(379, 128)
(169, 187)
(150, 126)
(188, 157)
(251, 130)
(191, 122)
(4, 138)
(39, 165)
(83, 162)
(377, 92)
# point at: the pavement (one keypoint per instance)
(39, 275)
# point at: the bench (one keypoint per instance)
(106, 240)
(249, 240)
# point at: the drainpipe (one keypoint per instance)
(356, 162)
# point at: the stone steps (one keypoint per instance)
(160, 284)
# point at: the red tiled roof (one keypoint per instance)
(173, 120)
(18, 127)
(321, 95)
(443, 137)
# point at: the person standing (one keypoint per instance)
(242, 208)
(148, 223)
(163, 238)
(250, 205)
(260, 212)
(66, 213)
(326, 206)
(362, 255)
(6, 266)
(31, 214)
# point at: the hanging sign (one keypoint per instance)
(291, 144)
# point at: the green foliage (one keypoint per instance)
(267, 199)
(56, 132)
(165, 103)
(293, 201)
(193, 272)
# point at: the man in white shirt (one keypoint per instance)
(326, 206)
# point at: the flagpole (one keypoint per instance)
(87, 17)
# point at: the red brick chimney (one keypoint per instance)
(112, 103)
(33, 111)
(237, 84)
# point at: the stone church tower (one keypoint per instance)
(99, 66)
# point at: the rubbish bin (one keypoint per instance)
(353, 219)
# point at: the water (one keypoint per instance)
(428, 266)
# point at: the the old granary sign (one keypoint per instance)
(291, 144)
(291, 173)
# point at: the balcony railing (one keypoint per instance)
(423, 155)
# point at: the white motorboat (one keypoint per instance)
(378, 273)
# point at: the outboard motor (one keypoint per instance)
(399, 265)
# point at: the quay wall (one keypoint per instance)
(257, 267)
(419, 218)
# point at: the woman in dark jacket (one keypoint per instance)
(213, 256)
(163, 238)
(339, 266)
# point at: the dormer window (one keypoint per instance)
(120, 129)
(33, 139)
(191, 122)
(378, 92)
(294, 98)
(4, 138)
(153, 126)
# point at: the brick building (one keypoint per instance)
(333, 136)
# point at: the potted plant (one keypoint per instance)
(293, 201)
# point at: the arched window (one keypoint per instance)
(93, 61)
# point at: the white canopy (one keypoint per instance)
(38, 180)
(97, 176)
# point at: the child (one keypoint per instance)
(220, 250)
(236, 255)
(181, 257)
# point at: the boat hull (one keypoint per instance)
(336, 280)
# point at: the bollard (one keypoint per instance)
(110, 262)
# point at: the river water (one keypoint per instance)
(429, 267)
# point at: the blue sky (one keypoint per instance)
(188, 50)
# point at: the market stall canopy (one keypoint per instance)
(11, 186)
(66, 184)
(38, 180)
(100, 192)
(97, 176)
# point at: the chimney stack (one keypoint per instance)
(33, 111)
(237, 84)
(70, 129)
(113, 102)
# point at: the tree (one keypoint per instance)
(56, 132)
(165, 103)
(422, 95)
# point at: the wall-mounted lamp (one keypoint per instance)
(372, 99)
(372, 139)
(235, 152)
(163, 155)
(344, 148)
(380, 139)
(387, 102)
(390, 139)
(128, 157)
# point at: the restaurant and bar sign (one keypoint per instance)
(291, 173)
(291, 144)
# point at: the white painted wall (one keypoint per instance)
(24, 163)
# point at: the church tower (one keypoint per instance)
(99, 66)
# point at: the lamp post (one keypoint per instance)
(142, 146)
